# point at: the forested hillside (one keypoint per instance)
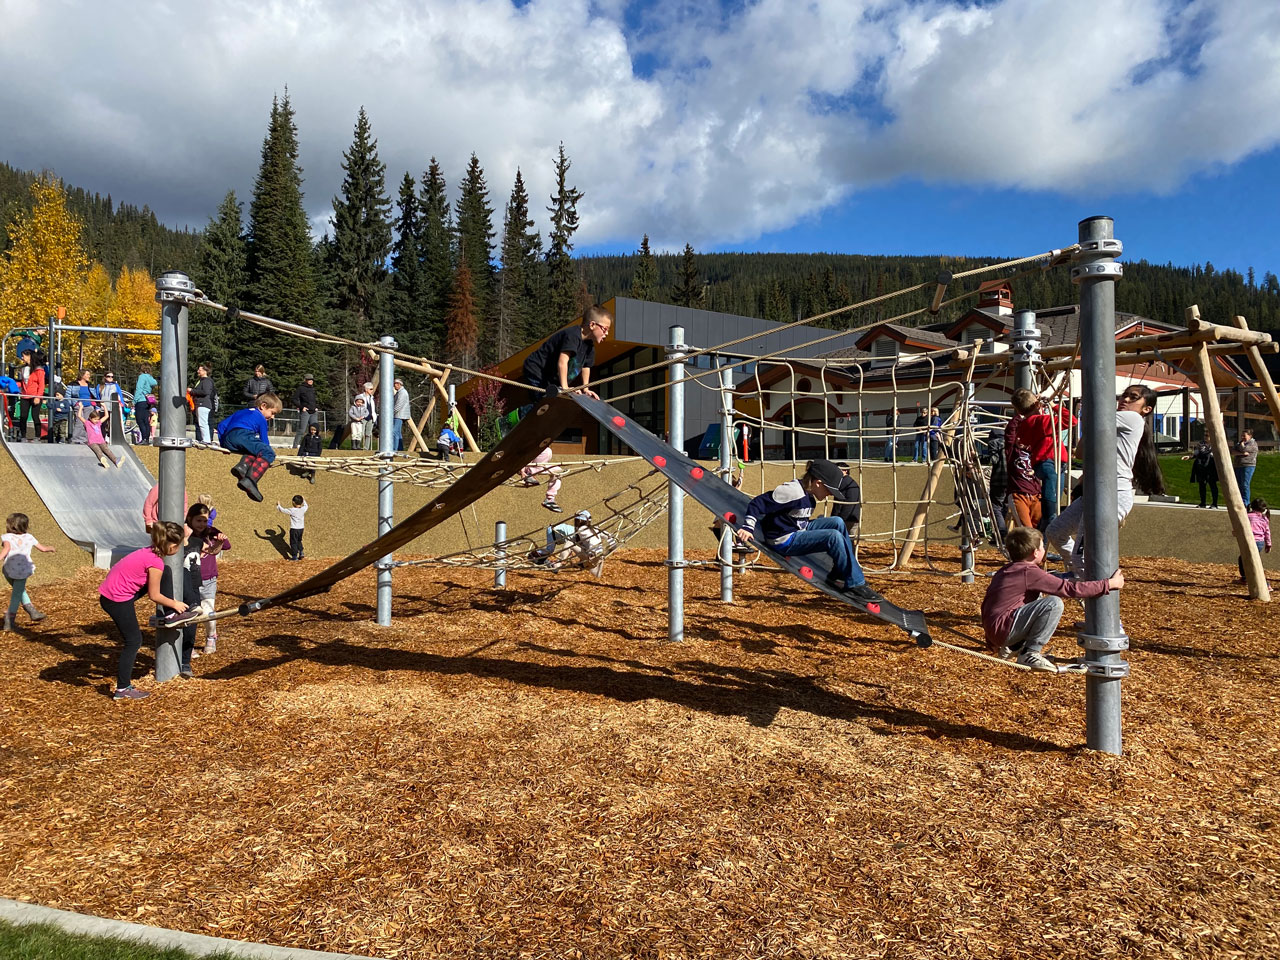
(115, 235)
(786, 286)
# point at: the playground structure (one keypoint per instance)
(1102, 638)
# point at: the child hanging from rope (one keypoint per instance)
(541, 464)
(245, 432)
(93, 437)
(781, 520)
(1023, 603)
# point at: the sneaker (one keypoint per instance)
(210, 645)
(1052, 558)
(1037, 661)
(864, 594)
(185, 673)
(528, 482)
(553, 506)
(129, 693)
(195, 654)
(173, 619)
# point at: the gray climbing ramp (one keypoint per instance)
(99, 509)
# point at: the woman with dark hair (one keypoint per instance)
(1136, 466)
(32, 394)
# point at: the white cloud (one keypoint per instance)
(750, 120)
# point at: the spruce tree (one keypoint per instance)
(473, 226)
(362, 231)
(282, 278)
(222, 273)
(645, 279)
(411, 306)
(688, 289)
(435, 249)
(562, 280)
(520, 282)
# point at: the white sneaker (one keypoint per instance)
(1037, 661)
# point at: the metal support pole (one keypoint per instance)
(1103, 637)
(675, 502)
(499, 537)
(386, 450)
(171, 290)
(1025, 346)
(726, 471)
(453, 402)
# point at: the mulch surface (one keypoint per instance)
(538, 773)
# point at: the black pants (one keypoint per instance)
(1212, 485)
(295, 544)
(125, 616)
(28, 407)
(142, 414)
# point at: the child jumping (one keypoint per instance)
(1015, 615)
(245, 432)
(781, 520)
(15, 560)
(1259, 525)
(296, 513)
(142, 574)
(93, 437)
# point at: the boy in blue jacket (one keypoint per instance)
(245, 432)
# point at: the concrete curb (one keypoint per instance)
(26, 914)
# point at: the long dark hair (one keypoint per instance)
(1147, 476)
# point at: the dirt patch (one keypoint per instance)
(536, 772)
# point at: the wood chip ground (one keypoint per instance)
(538, 773)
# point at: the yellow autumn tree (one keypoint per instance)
(46, 263)
(89, 308)
(134, 305)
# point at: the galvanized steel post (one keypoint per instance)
(172, 290)
(1103, 637)
(499, 537)
(1025, 346)
(675, 508)
(726, 471)
(386, 450)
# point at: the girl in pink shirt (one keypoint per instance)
(141, 573)
(1260, 526)
(93, 437)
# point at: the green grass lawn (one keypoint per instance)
(1265, 484)
(42, 942)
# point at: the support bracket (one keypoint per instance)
(174, 443)
(1099, 644)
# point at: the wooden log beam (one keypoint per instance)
(1263, 374)
(1179, 354)
(1253, 573)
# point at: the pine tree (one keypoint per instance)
(519, 283)
(435, 249)
(362, 231)
(688, 289)
(410, 305)
(222, 273)
(45, 264)
(282, 279)
(645, 279)
(474, 230)
(562, 279)
(462, 322)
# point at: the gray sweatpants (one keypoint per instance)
(1033, 625)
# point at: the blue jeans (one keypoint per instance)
(921, 449)
(1244, 478)
(241, 440)
(830, 536)
(202, 425)
(1047, 472)
(397, 432)
(1260, 544)
(890, 451)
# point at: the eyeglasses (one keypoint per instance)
(602, 327)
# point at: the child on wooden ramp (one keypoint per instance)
(245, 432)
(15, 560)
(1023, 603)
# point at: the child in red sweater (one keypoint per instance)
(1015, 615)
(1035, 431)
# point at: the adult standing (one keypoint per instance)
(920, 450)
(144, 387)
(304, 399)
(935, 434)
(847, 503)
(1204, 471)
(257, 385)
(1245, 456)
(891, 436)
(202, 393)
(32, 394)
(371, 404)
(400, 412)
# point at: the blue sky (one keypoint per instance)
(860, 126)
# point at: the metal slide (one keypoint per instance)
(536, 432)
(100, 509)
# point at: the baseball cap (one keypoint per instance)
(830, 475)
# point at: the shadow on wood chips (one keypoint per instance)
(537, 772)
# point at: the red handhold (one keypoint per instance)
(696, 473)
(806, 572)
(619, 421)
(873, 608)
(731, 517)
(659, 461)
